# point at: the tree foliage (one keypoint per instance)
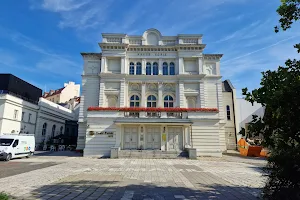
(280, 95)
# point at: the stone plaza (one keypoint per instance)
(90, 178)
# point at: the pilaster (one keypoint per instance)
(103, 64)
(160, 70)
(122, 93)
(218, 68)
(220, 99)
(202, 94)
(160, 93)
(143, 97)
(123, 65)
(200, 64)
(181, 65)
(101, 94)
(181, 95)
(144, 66)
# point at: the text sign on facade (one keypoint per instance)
(109, 134)
(152, 54)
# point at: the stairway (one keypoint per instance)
(156, 154)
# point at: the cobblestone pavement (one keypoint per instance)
(146, 179)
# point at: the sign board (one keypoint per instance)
(109, 134)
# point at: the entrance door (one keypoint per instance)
(174, 138)
(130, 138)
(153, 138)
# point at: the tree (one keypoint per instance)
(280, 95)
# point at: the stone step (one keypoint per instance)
(152, 154)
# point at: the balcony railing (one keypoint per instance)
(132, 114)
(153, 114)
(174, 115)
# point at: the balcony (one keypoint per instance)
(158, 113)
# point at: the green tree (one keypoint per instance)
(280, 95)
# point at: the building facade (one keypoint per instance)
(23, 110)
(152, 92)
(63, 95)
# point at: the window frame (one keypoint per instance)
(135, 101)
(168, 101)
(165, 68)
(155, 68)
(131, 68)
(148, 68)
(16, 114)
(151, 101)
(138, 68)
(172, 65)
(53, 130)
(44, 129)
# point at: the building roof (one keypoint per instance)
(227, 86)
(53, 92)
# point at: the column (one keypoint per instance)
(123, 70)
(101, 94)
(160, 70)
(160, 93)
(220, 99)
(181, 65)
(200, 63)
(103, 64)
(201, 94)
(144, 66)
(218, 68)
(181, 95)
(122, 93)
(143, 97)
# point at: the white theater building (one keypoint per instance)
(153, 92)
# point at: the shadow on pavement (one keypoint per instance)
(58, 153)
(115, 190)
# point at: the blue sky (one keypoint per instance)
(41, 40)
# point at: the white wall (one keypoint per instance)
(70, 91)
(8, 105)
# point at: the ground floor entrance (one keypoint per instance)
(154, 137)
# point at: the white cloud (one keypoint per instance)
(62, 5)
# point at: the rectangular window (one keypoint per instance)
(23, 114)
(29, 117)
(228, 112)
(16, 114)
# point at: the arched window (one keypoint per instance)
(138, 68)
(168, 101)
(53, 130)
(61, 130)
(131, 68)
(44, 130)
(134, 101)
(228, 112)
(172, 68)
(155, 68)
(151, 101)
(148, 68)
(165, 69)
(191, 103)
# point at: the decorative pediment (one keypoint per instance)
(168, 87)
(134, 87)
(152, 87)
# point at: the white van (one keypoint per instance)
(16, 146)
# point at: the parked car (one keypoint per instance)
(16, 146)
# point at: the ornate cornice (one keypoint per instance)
(91, 55)
(212, 56)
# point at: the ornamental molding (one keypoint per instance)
(152, 87)
(168, 87)
(212, 56)
(96, 56)
(134, 87)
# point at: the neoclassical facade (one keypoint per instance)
(151, 92)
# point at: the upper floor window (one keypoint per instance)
(148, 68)
(138, 68)
(151, 101)
(155, 68)
(131, 68)
(29, 117)
(23, 115)
(172, 68)
(44, 130)
(16, 114)
(228, 112)
(165, 69)
(53, 130)
(134, 101)
(168, 101)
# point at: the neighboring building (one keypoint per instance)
(246, 111)
(63, 95)
(154, 92)
(22, 110)
(231, 115)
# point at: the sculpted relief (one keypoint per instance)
(210, 69)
